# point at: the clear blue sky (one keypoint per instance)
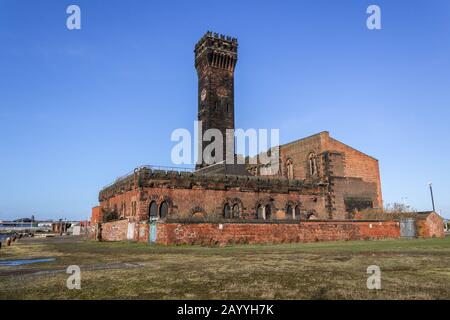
(79, 108)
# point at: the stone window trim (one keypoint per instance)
(133, 208)
(232, 208)
(311, 215)
(163, 210)
(153, 209)
(159, 200)
(235, 211)
(264, 209)
(289, 168)
(197, 211)
(123, 210)
(227, 211)
(293, 210)
(312, 164)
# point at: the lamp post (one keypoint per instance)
(432, 198)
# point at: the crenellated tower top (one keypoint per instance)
(219, 50)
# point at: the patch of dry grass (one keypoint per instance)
(411, 269)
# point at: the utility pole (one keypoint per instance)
(432, 198)
(404, 201)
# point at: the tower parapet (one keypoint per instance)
(219, 50)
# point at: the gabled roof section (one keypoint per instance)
(326, 135)
(350, 147)
(322, 133)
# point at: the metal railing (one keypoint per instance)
(149, 167)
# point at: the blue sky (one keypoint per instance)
(79, 108)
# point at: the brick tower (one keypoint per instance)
(215, 60)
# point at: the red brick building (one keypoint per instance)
(319, 177)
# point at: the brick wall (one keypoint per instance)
(210, 200)
(430, 227)
(298, 151)
(343, 188)
(428, 224)
(96, 216)
(358, 165)
(350, 172)
(114, 230)
(249, 233)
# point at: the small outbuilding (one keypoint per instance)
(425, 224)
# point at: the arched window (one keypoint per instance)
(289, 212)
(312, 164)
(124, 210)
(163, 209)
(289, 169)
(311, 215)
(133, 208)
(259, 212)
(236, 211)
(227, 211)
(198, 214)
(153, 210)
(297, 213)
(268, 213)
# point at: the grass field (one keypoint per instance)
(410, 269)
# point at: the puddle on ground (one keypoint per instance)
(12, 263)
